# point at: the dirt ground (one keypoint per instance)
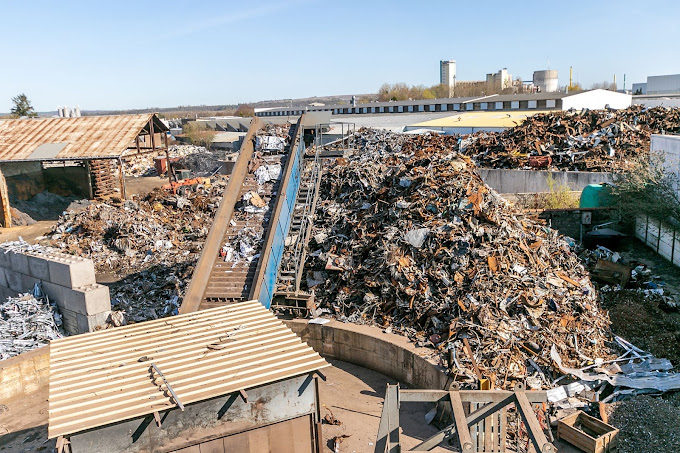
(642, 319)
(142, 184)
(23, 424)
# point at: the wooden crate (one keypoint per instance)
(587, 433)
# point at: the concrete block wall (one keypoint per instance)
(67, 280)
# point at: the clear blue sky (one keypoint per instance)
(120, 54)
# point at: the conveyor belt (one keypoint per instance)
(216, 282)
(233, 283)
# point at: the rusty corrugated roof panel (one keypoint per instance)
(71, 138)
(105, 377)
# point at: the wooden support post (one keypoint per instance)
(536, 435)
(167, 165)
(244, 395)
(460, 422)
(137, 143)
(121, 175)
(88, 171)
(62, 442)
(153, 137)
(157, 417)
(4, 201)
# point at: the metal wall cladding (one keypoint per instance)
(282, 226)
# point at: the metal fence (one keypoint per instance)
(661, 237)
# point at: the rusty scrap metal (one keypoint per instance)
(408, 237)
(586, 140)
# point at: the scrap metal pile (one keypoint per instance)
(144, 164)
(152, 243)
(410, 238)
(587, 140)
(26, 323)
(124, 238)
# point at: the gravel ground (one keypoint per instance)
(647, 424)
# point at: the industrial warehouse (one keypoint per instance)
(395, 233)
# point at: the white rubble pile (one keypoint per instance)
(242, 247)
(269, 143)
(26, 323)
(144, 165)
(266, 173)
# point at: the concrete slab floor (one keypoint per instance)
(355, 396)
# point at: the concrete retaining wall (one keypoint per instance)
(24, 373)
(532, 181)
(389, 354)
(66, 279)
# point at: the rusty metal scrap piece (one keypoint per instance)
(586, 140)
(407, 236)
(167, 385)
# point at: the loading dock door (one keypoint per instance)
(291, 436)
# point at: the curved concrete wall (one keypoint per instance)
(389, 354)
(24, 373)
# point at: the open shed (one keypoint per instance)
(72, 156)
(232, 378)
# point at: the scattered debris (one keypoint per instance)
(125, 238)
(329, 418)
(186, 155)
(26, 323)
(265, 173)
(337, 440)
(243, 247)
(586, 140)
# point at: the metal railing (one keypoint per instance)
(306, 219)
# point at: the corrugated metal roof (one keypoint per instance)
(104, 377)
(85, 137)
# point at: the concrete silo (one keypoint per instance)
(546, 80)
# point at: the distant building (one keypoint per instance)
(593, 99)
(546, 81)
(502, 79)
(640, 88)
(659, 85)
(447, 73)
(665, 84)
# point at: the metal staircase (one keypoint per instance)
(288, 293)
